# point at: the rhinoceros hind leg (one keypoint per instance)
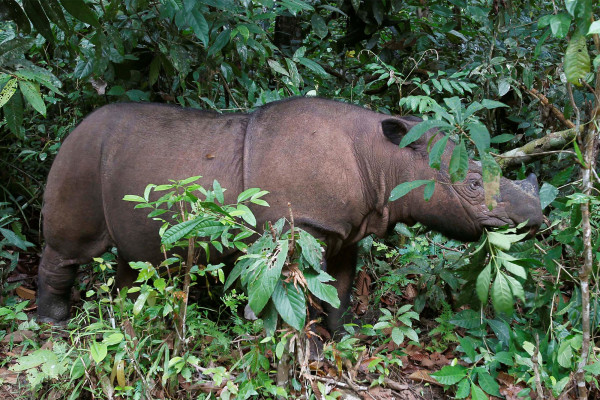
(126, 275)
(56, 276)
(342, 267)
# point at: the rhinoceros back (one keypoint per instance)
(118, 150)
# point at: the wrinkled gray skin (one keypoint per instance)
(335, 163)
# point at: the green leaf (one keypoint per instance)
(480, 135)
(275, 66)
(463, 389)
(55, 14)
(83, 68)
(13, 113)
(7, 91)
(516, 288)
(113, 338)
(467, 346)
(32, 93)
(403, 188)
(319, 25)
(428, 191)
(468, 319)
(491, 174)
(98, 351)
(565, 354)
(132, 197)
(505, 358)
(502, 297)
(419, 130)
(246, 194)
(577, 60)
(454, 105)
(246, 214)
(10, 10)
(198, 23)
(321, 290)
(594, 28)
(38, 18)
(450, 374)
(218, 192)
(35, 359)
(477, 393)
(140, 301)
(435, 155)
(593, 369)
(483, 284)
(513, 268)
(177, 232)
(547, 194)
(488, 384)
(313, 66)
(290, 304)
(262, 286)
(499, 240)
(220, 42)
(397, 336)
(459, 163)
(81, 11)
(311, 249)
(491, 104)
(505, 137)
(15, 240)
(559, 24)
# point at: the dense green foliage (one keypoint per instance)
(495, 75)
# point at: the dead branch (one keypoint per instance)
(524, 154)
(544, 100)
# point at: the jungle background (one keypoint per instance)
(517, 80)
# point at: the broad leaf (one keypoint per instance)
(261, 288)
(480, 136)
(483, 284)
(81, 11)
(38, 18)
(450, 374)
(435, 155)
(420, 129)
(577, 60)
(403, 188)
(7, 91)
(32, 93)
(98, 351)
(290, 304)
(323, 291)
(502, 297)
(319, 25)
(459, 163)
(547, 194)
(179, 231)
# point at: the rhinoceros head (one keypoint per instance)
(459, 210)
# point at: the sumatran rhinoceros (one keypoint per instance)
(335, 163)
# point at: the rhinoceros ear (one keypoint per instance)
(395, 128)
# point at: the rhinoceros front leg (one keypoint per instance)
(342, 267)
(56, 276)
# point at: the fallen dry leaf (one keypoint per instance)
(17, 337)
(8, 377)
(423, 376)
(25, 293)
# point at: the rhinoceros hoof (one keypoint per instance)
(51, 321)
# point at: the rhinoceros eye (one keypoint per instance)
(474, 184)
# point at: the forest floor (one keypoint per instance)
(410, 381)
